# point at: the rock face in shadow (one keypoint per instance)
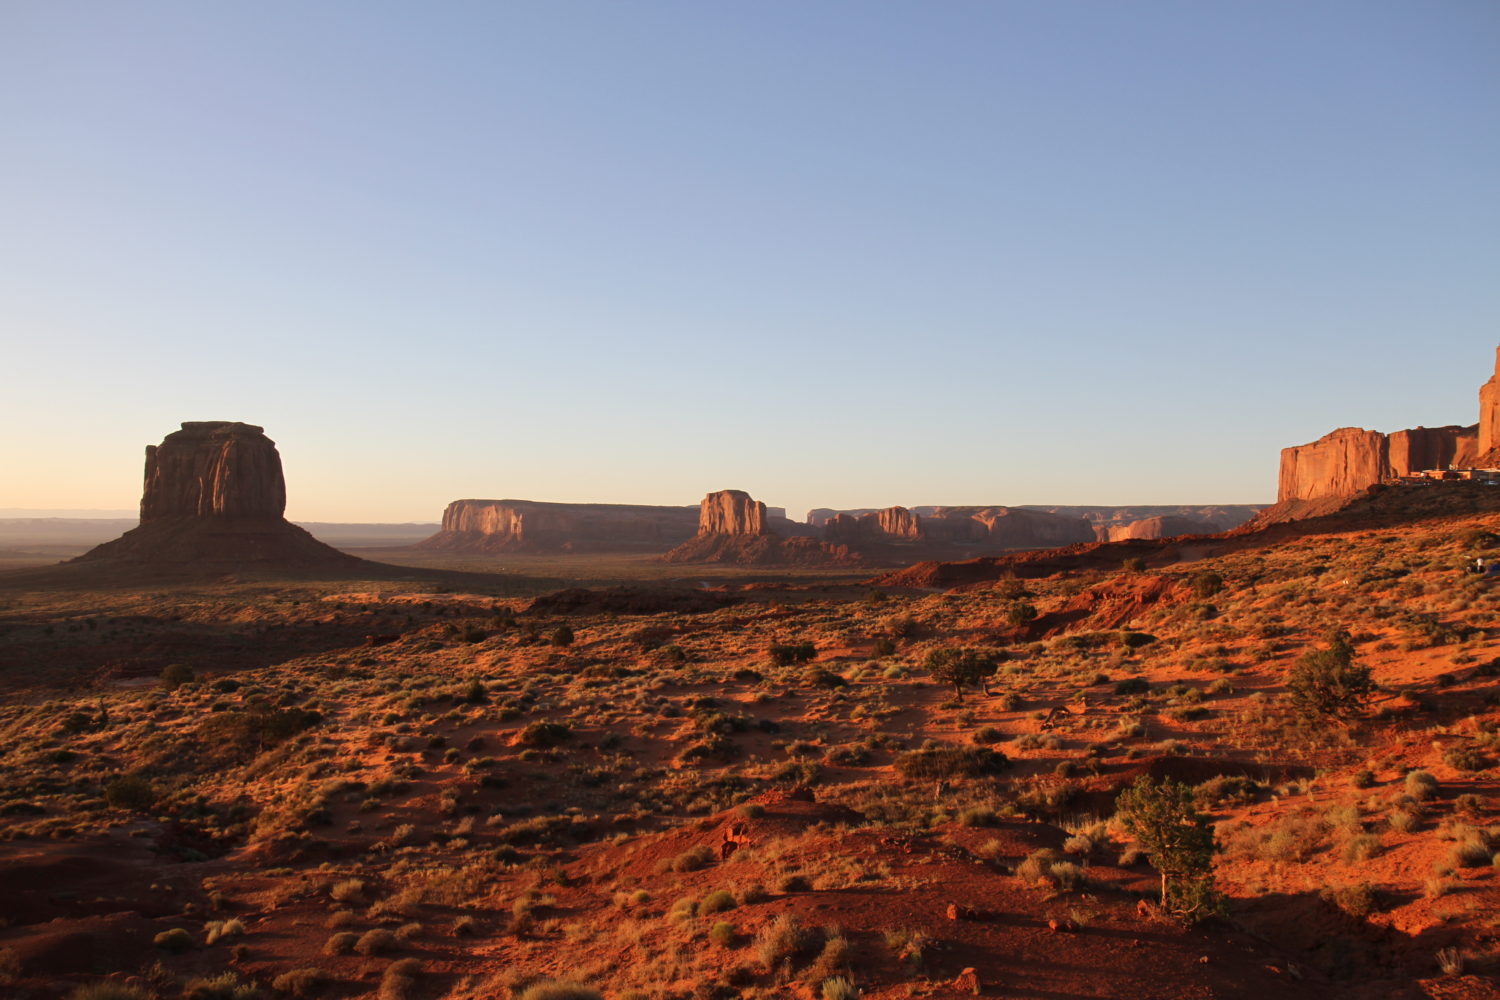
(216, 468)
(894, 524)
(1488, 442)
(534, 526)
(213, 498)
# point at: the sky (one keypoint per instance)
(837, 254)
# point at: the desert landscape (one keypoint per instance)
(580, 500)
(1256, 761)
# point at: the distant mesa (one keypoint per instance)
(733, 528)
(534, 526)
(1163, 526)
(214, 497)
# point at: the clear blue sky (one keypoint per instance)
(835, 254)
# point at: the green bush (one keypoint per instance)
(174, 675)
(786, 654)
(174, 940)
(1179, 841)
(1328, 684)
(131, 792)
(952, 762)
(961, 667)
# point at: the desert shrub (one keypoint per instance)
(693, 859)
(375, 942)
(398, 979)
(1206, 585)
(839, 988)
(545, 734)
(244, 734)
(1327, 683)
(951, 762)
(882, 647)
(1469, 854)
(782, 939)
(105, 990)
(1037, 865)
(175, 940)
(174, 675)
(1466, 759)
(300, 982)
(1359, 901)
(1020, 613)
(347, 891)
(1135, 640)
(1364, 778)
(131, 792)
(341, 943)
(908, 945)
(1362, 847)
(961, 667)
(555, 989)
(475, 693)
(832, 958)
(987, 735)
(216, 930)
(1132, 685)
(1179, 841)
(979, 816)
(1421, 785)
(722, 934)
(753, 893)
(824, 678)
(1133, 564)
(1067, 875)
(717, 902)
(785, 654)
(561, 637)
(225, 986)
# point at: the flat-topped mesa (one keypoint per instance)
(1488, 443)
(214, 468)
(732, 512)
(1352, 459)
(532, 525)
(893, 524)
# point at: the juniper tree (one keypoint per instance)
(961, 667)
(1179, 842)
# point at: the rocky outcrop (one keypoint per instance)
(733, 528)
(1424, 448)
(534, 526)
(1341, 462)
(732, 512)
(213, 501)
(1163, 526)
(1488, 436)
(997, 528)
(214, 468)
(1351, 459)
(894, 524)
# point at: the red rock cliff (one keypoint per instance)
(732, 512)
(1340, 462)
(1489, 417)
(894, 524)
(214, 468)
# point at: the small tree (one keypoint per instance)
(562, 637)
(1179, 842)
(1020, 613)
(1327, 683)
(962, 668)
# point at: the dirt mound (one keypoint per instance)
(629, 601)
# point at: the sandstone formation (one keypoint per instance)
(1164, 526)
(534, 526)
(1352, 459)
(214, 469)
(733, 528)
(994, 528)
(732, 512)
(213, 499)
(894, 524)
(1488, 442)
